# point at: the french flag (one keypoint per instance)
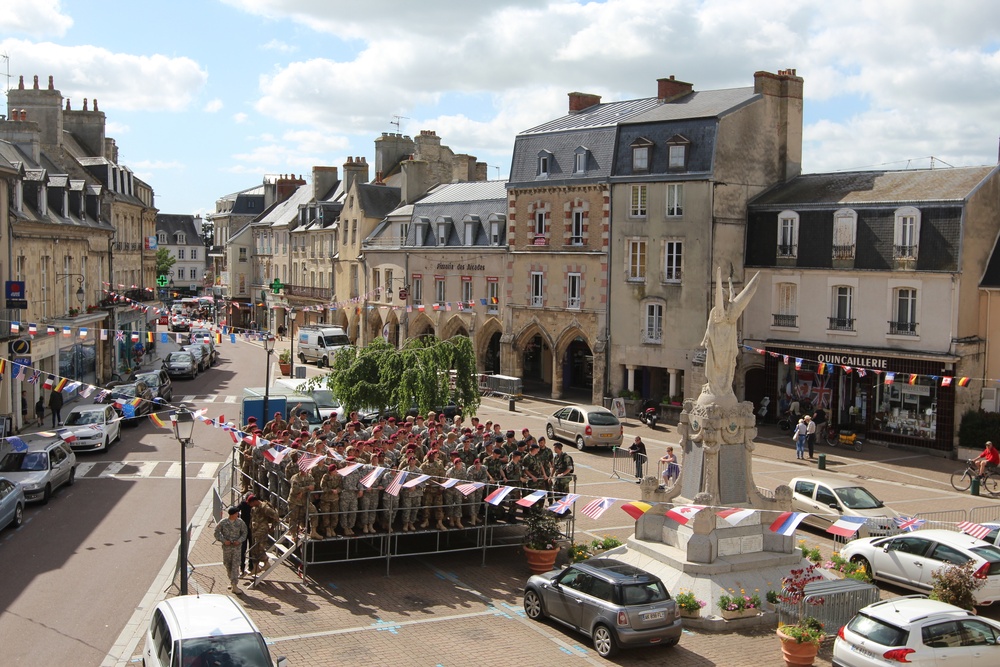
(532, 498)
(276, 454)
(846, 526)
(787, 522)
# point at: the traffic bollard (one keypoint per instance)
(974, 489)
(821, 464)
(510, 404)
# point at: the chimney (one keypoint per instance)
(580, 101)
(668, 90)
(782, 94)
(44, 107)
(390, 150)
(481, 172)
(355, 170)
(463, 168)
(324, 180)
(416, 180)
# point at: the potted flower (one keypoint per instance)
(957, 585)
(739, 605)
(689, 605)
(800, 642)
(285, 362)
(73, 312)
(540, 537)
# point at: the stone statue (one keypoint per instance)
(720, 341)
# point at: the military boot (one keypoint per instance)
(315, 534)
(424, 524)
(440, 525)
(458, 523)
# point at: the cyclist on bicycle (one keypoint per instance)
(989, 458)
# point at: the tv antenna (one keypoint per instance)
(491, 166)
(6, 60)
(395, 121)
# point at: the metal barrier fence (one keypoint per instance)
(945, 519)
(985, 514)
(502, 385)
(625, 465)
(832, 603)
(661, 469)
(873, 527)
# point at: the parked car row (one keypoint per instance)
(193, 358)
(34, 473)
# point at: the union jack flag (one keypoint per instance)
(908, 523)
(35, 376)
(564, 503)
(119, 336)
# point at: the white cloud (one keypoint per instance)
(213, 106)
(35, 18)
(280, 46)
(118, 80)
(240, 117)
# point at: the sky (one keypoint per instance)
(206, 97)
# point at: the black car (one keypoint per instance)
(159, 382)
(616, 604)
(123, 395)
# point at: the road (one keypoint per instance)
(78, 567)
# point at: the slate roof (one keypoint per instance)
(600, 143)
(452, 203)
(377, 200)
(607, 114)
(699, 104)
(173, 223)
(700, 132)
(875, 187)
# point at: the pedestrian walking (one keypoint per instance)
(24, 408)
(638, 449)
(264, 519)
(40, 411)
(799, 438)
(810, 434)
(55, 405)
(232, 532)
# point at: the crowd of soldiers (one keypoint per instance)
(339, 504)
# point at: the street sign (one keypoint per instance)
(16, 298)
(19, 346)
(403, 294)
(276, 286)
(162, 281)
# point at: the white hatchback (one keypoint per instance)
(92, 427)
(204, 630)
(916, 631)
(909, 560)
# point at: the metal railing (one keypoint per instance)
(784, 320)
(904, 252)
(832, 603)
(902, 328)
(626, 465)
(841, 324)
(843, 251)
(787, 250)
(944, 519)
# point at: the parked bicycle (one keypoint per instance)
(842, 437)
(988, 482)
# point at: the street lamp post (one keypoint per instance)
(291, 341)
(183, 423)
(269, 348)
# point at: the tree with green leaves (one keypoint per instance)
(164, 261)
(426, 373)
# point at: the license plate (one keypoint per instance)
(653, 616)
(607, 435)
(863, 651)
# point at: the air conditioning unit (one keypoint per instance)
(988, 399)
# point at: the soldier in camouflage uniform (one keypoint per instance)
(562, 470)
(410, 498)
(433, 497)
(349, 495)
(453, 497)
(259, 471)
(545, 455)
(263, 521)
(232, 532)
(246, 466)
(515, 477)
(368, 502)
(474, 501)
(531, 467)
(329, 501)
(298, 497)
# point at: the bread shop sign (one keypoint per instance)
(877, 363)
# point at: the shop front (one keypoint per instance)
(917, 408)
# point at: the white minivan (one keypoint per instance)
(318, 344)
(205, 630)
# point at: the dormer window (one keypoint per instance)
(677, 152)
(640, 154)
(580, 160)
(161, 238)
(906, 233)
(181, 238)
(845, 225)
(442, 233)
(545, 163)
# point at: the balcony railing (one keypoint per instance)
(843, 251)
(573, 303)
(784, 320)
(537, 301)
(902, 328)
(308, 292)
(384, 242)
(841, 324)
(652, 335)
(787, 250)
(904, 252)
(671, 276)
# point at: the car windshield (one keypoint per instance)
(646, 593)
(602, 419)
(339, 339)
(858, 498)
(245, 650)
(324, 398)
(126, 390)
(878, 631)
(24, 462)
(183, 357)
(151, 379)
(88, 417)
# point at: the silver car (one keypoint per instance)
(586, 426)
(11, 503)
(181, 364)
(616, 604)
(200, 356)
(46, 465)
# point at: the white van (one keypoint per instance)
(204, 630)
(328, 405)
(318, 344)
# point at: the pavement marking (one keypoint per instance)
(232, 399)
(83, 468)
(174, 471)
(112, 468)
(372, 628)
(143, 469)
(207, 471)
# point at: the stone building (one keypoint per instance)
(180, 235)
(682, 174)
(870, 302)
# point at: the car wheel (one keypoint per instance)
(549, 431)
(604, 642)
(532, 605)
(47, 494)
(106, 444)
(118, 436)
(18, 515)
(324, 362)
(72, 477)
(579, 443)
(863, 562)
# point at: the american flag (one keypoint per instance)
(348, 469)
(976, 530)
(469, 487)
(595, 508)
(308, 461)
(909, 523)
(396, 484)
(369, 480)
(564, 503)
(448, 483)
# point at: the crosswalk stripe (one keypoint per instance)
(207, 471)
(231, 399)
(210, 398)
(188, 399)
(112, 469)
(142, 469)
(83, 468)
(174, 471)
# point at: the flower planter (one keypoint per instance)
(286, 369)
(690, 614)
(797, 654)
(745, 613)
(540, 560)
